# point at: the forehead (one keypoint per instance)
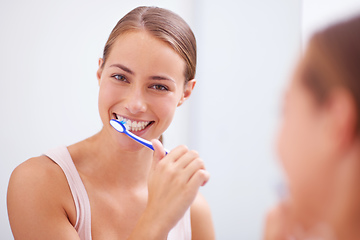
(140, 49)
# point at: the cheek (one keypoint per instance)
(300, 147)
(295, 129)
(293, 143)
(297, 143)
(106, 98)
(165, 110)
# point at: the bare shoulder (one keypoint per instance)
(38, 196)
(201, 220)
(39, 173)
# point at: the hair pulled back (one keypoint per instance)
(164, 25)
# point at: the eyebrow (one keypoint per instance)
(123, 68)
(162, 78)
(126, 69)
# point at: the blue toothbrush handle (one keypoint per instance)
(142, 141)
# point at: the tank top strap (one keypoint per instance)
(61, 157)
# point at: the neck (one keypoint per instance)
(102, 160)
(344, 216)
(340, 216)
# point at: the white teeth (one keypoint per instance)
(132, 125)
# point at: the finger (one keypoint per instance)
(193, 167)
(186, 159)
(159, 151)
(199, 178)
(176, 153)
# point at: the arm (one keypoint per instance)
(37, 202)
(201, 221)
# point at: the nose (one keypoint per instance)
(135, 101)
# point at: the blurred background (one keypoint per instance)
(49, 52)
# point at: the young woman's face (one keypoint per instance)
(142, 82)
(304, 145)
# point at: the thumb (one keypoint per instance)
(159, 151)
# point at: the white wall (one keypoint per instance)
(246, 52)
(318, 14)
(48, 93)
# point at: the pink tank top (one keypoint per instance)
(61, 156)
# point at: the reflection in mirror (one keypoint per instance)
(318, 143)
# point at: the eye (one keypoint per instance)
(160, 87)
(119, 77)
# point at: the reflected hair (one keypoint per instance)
(338, 49)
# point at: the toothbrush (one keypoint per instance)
(121, 127)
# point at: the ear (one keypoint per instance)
(99, 71)
(343, 111)
(189, 87)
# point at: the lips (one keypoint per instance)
(133, 125)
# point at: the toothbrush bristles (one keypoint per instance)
(124, 123)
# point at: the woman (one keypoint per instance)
(109, 186)
(319, 141)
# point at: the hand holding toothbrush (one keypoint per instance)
(173, 184)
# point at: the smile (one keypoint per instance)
(133, 126)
